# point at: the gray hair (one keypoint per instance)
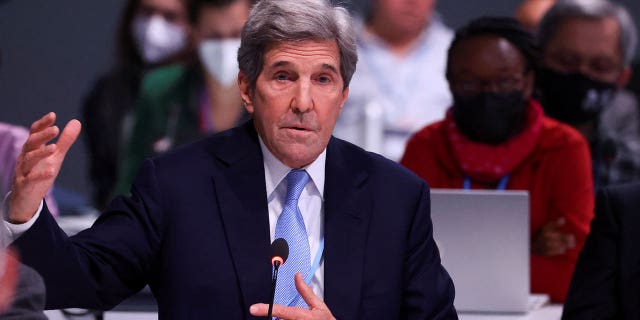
(591, 9)
(272, 21)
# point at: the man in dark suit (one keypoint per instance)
(605, 283)
(200, 220)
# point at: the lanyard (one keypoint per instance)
(316, 262)
(502, 185)
(312, 271)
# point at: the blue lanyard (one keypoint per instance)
(316, 262)
(314, 268)
(502, 185)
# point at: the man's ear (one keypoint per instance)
(245, 91)
(345, 95)
(624, 77)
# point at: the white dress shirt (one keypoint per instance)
(311, 204)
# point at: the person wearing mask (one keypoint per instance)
(605, 283)
(200, 222)
(587, 48)
(495, 136)
(151, 33)
(181, 103)
(399, 86)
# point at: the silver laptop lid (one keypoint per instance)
(483, 237)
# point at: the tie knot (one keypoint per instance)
(296, 180)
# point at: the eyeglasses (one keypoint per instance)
(505, 84)
(600, 67)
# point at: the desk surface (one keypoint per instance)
(549, 312)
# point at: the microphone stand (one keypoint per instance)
(276, 265)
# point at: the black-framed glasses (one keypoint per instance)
(474, 86)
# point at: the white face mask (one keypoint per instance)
(156, 38)
(220, 58)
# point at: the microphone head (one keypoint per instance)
(279, 251)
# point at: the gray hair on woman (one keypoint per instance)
(273, 21)
(591, 9)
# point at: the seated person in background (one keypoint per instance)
(587, 48)
(605, 283)
(22, 292)
(151, 33)
(399, 85)
(200, 222)
(11, 140)
(496, 137)
(181, 103)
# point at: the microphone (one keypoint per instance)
(279, 254)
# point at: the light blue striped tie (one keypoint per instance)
(291, 227)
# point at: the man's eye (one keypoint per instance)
(281, 76)
(324, 79)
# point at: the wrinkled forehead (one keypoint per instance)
(306, 54)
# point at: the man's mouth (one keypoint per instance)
(297, 128)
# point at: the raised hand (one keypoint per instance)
(38, 165)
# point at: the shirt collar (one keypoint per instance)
(275, 171)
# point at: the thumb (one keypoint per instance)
(307, 293)
(68, 136)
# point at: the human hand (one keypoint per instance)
(317, 309)
(38, 165)
(8, 280)
(549, 241)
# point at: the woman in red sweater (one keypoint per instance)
(496, 136)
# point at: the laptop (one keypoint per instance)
(483, 238)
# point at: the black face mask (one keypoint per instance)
(490, 117)
(573, 98)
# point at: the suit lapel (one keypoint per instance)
(242, 200)
(347, 211)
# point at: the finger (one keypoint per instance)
(32, 158)
(68, 136)
(569, 240)
(259, 309)
(46, 121)
(559, 222)
(307, 293)
(552, 236)
(39, 138)
(556, 250)
(556, 247)
(279, 311)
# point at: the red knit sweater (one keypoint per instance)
(557, 175)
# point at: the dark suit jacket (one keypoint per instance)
(196, 230)
(606, 281)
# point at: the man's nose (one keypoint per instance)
(302, 101)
